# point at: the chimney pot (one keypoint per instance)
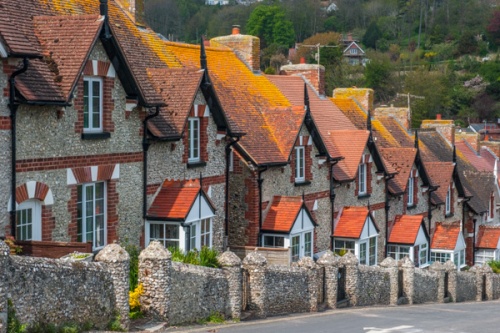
(236, 30)
(438, 116)
(302, 60)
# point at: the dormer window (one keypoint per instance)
(300, 164)
(353, 51)
(194, 140)
(410, 191)
(362, 179)
(92, 104)
(448, 201)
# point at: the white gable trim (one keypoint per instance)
(3, 51)
(302, 223)
(201, 209)
(369, 229)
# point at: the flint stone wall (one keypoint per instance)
(374, 285)
(286, 290)
(196, 293)
(495, 285)
(426, 285)
(466, 286)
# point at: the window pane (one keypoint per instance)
(171, 231)
(373, 250)
(308, 244)
(295, 248)
(85, 104)
(362, 253)
(192, 240)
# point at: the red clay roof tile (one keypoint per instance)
(440, 174)
(405, 229)
(445, 236)
(488, 237)
(175, 199)
(351, 222)
(282, 214)
(350, 144)
(401, 160)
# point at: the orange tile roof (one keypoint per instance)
(488, 236)
(350, 144)
(178, 88)
(282, 214)
(401, 160)
(66, 41)
(175, 199)
(405, 229)
(445, 236)
(351, 222)
(440, 174)
(250, 101)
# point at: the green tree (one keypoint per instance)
(494, 28)
(467, 43)
(372, 35)
(270, 25)
(378, 75)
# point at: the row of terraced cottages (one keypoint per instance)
(110, 133)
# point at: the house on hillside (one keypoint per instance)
(352, 52)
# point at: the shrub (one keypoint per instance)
(134, 302)
(133, 252)
(206, 257)
(495, 265)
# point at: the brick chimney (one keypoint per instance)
(314, 74)
(445, 127)
(473, 139)
(246, 47)
(400, 114)
(364, 96)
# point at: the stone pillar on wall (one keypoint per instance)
(488, 272)
(440, 272)
(391, 267)
(117, 261)
(256, 264)
(231, 266)
(312, 283)
(4, 260)
(329, 262)
(479, 282)
(408, 278)
(451, 269)
(154, 274)
(351, 263)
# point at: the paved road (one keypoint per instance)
(483, 317)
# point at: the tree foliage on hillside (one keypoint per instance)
(270, 25)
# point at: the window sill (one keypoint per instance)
(302, 183)
(193, 165)
(448, 215)
(364, 196)
(410, 207)
(96, 136)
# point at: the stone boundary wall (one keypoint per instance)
(56, 291)
(466, 287)
(374, 285)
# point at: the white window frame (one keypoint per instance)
(410, 190)
(300, 165)
(31, 230)
(370, 252)
(98, 240)
(197, 239)
(90, 106)
(353, 51)
(194, 140)
(423, 253)
(448, 201)
(274, 237)
(341, 245)
(300, 247)
(362, 186)
(483, 256)
(398, 252)
(441, 256)
(165, 241)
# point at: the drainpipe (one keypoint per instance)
(332, 200)
(226, 203)
(13, 106)
(259, 182)
(145, 148)
(463, 214)
(474, 242)
(429, 216)
(387, 208)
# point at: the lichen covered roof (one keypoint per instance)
(250, 101)
(402, 161)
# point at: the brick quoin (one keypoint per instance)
(48, 223)
(4, 123)
(54, 163)
(72, 209)
(252, 211)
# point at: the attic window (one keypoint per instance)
(92, 104)
(194, 140)
(448, 201)
(409, 189)
(362, 179)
